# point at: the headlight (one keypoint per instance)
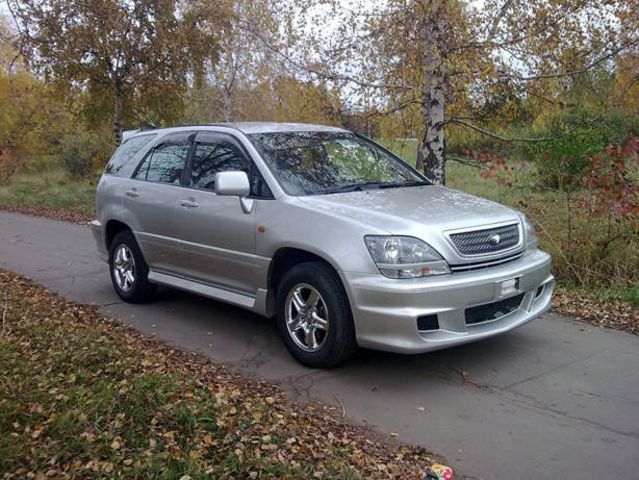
(532, 241)
(405, 257)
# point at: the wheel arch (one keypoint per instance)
(111, 229)
(286, 258)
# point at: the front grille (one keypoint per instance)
(483, 242)
(493, 311)
(481, 265)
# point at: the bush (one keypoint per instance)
(563, 161)
(83, 153)
(596, 236)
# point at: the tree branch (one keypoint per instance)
(497, 20)
(462, 161)
(335, 77)
(497, 136)
(580, 71)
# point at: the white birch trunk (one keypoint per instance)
(432, 153)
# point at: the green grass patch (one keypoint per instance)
(405, 148)
(43, 183)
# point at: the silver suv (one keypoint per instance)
(332, 234)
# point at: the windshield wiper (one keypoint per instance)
(402, 184)
(352, 187)
(359, 187)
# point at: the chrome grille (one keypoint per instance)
(483, 242)
(480, 265)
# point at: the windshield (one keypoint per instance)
(315, 163)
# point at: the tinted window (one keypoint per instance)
(214, 154)
(166, 162)
(308, 163)
(126, 152)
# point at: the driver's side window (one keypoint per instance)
(214, 154)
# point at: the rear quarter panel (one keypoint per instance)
(108, 201)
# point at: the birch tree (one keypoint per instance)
(446, 57)
(129, 51)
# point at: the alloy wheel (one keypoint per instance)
(307, 319)
(124, 268)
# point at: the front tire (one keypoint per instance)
(129, 271)
(314, 316)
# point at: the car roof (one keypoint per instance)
(268, 127)
(244, 127)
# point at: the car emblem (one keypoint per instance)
(495, 239)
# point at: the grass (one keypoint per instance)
(626, 293)
(82, 396)
(43, 183)
(406, 148)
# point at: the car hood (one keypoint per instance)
(427, 212)
(399, 209)
(402, 210)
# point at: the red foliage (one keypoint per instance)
(613, 191)
(491, 166)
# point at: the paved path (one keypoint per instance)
(554, 399)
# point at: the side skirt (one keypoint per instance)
(255, 303)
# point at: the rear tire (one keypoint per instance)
(129, 271)
(314, 317)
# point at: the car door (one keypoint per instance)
(216, 237)
(153, 196)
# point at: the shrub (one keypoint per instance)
(573, 137)
(593, 229)
(83, 153)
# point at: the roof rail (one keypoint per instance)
(147, 125)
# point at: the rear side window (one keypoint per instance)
(166, 162)
(126, 152)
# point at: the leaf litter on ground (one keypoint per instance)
(84, 396)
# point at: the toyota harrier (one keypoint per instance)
(339, 239)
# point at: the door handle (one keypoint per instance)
(131, 193)
(189, 203)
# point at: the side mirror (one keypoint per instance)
(234, 184)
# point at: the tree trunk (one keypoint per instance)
(431, 156)
(117, 115)
(227, 104)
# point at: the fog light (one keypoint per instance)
(427, 322)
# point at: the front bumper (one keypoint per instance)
(385, 310)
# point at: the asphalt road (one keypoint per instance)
(553, 399)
